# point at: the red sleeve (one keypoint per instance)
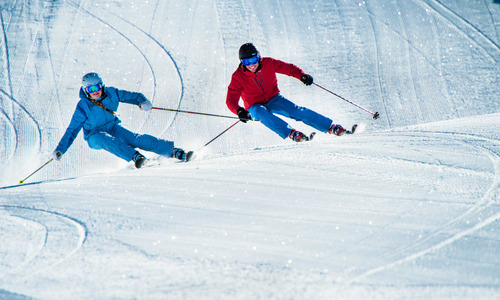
(234, 91)
(287, 68)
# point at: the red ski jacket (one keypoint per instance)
(258, 87)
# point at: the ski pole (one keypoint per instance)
(375, 114)
(220, 134)
(22, 181)
(192, 112)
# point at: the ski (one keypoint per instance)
(157, 161)
(311, 136)
(307, 138)
(353, 129)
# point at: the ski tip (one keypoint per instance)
(311, 136)
(189, 156)
(353, 129)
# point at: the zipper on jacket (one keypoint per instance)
(260, 84)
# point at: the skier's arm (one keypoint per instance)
(134, 98)
(72, 131)
(287, 69)
(292, 70)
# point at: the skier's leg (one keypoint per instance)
(103, 140)
(282, 106)
(261, 113)
(143, 141)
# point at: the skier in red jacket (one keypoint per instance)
(256, 83)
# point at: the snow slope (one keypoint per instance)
(406, 208)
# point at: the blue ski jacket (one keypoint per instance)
(92, 118)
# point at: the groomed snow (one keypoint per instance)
(407, 208)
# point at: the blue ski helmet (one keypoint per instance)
(91, 79)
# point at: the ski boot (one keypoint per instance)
(139, 160)
(182, 155)
(298, 136)
(336, 129)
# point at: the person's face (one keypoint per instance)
(251, 63)
(96, 95)
(94, 91)
(253, 68)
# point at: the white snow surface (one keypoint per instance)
(407, 208)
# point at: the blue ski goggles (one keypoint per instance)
(93, 88)
(250, 61)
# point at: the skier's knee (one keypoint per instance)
(94, 142)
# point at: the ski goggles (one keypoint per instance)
(250, 61)
(93, 88)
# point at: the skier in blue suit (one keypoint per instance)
(95, 113)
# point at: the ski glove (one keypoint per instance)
(307, 79)
(56, 155)
(244, 115)
(146, 105)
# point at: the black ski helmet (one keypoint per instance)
(248, 50)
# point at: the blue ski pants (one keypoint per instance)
(122, 143)
(279, 105)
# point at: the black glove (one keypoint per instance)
(307, 79)
(244, 115)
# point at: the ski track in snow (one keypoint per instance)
(10, 152)
(6, 70)
(62, 236)
(156, 78)
(465, 27)
(53, 237)
(18, 125)
(476, 214)
(5, 53)
(477, 211)
(182, 87)
(414, 94)
(11, 115)
(123, 35)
